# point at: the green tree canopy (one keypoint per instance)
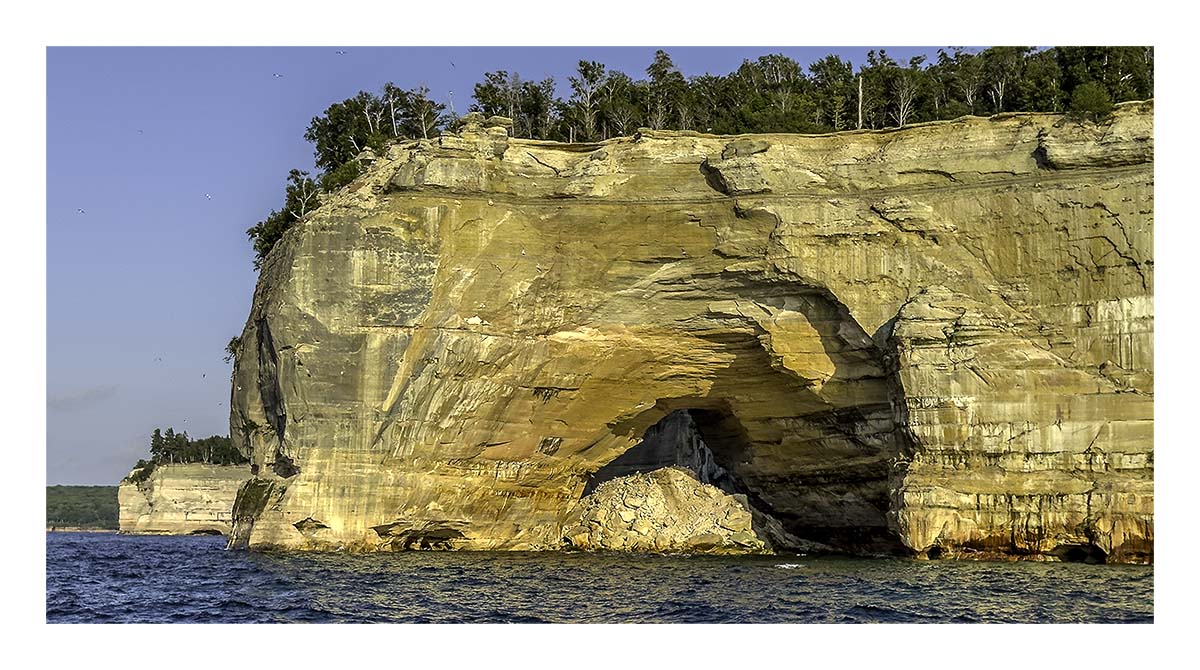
(772, 93)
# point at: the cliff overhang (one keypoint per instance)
(934, 341)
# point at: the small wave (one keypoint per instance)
(164, 579)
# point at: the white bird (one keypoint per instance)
(80, 210)
(208, 195)
(276, 75)
(340, 52)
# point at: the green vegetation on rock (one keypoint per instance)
(171, 447)
(772, 94)
(1090, 101)
(81, 507)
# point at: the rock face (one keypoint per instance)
(934, 341)
(183, 499)
(666, 510)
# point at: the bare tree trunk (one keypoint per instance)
(860, 102)
(997, 93)
(906, 93)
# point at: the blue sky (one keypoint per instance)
(172, 153)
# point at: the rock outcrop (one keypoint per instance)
(934, 341)
(665, 510)
(181, 499)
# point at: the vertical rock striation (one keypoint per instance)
(935, 341)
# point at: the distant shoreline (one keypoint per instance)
(77, 529)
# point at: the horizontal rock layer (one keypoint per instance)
(934, 341)
(182, 499)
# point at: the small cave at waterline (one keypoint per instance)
(711, 442)
(1081, 553)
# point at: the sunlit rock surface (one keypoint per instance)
(665, 510)
(934, 341)
(181, 499)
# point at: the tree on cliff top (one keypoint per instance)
(1090, 101)
(772, 93)
(301, 197)
(167, 447)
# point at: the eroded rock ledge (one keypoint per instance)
(935, 341)
(181, 499)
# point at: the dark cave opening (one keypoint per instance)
(824, 506)
(708, 441)
(206, 531)
(1081, 553)
(675, 440)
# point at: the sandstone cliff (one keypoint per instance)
(183, 499)
(934, 341)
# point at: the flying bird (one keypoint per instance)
(276, 75)
(203, 375)
(80, 210)
(452, 64)
(208, 195)
(141, 132)
(340, 52)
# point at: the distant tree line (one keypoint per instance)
(168, 447)
(773, 94)
(81, 506)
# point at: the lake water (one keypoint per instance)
(93, 577)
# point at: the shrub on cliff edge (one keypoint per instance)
(1090, 101)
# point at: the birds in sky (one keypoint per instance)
(340, 52)
(452, 64)
(277, 75)
(80, 210)
(208, 196)
(141, 132)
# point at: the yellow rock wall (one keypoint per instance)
(935, 340)
(182, 499)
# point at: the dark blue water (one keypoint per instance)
(93, 577)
